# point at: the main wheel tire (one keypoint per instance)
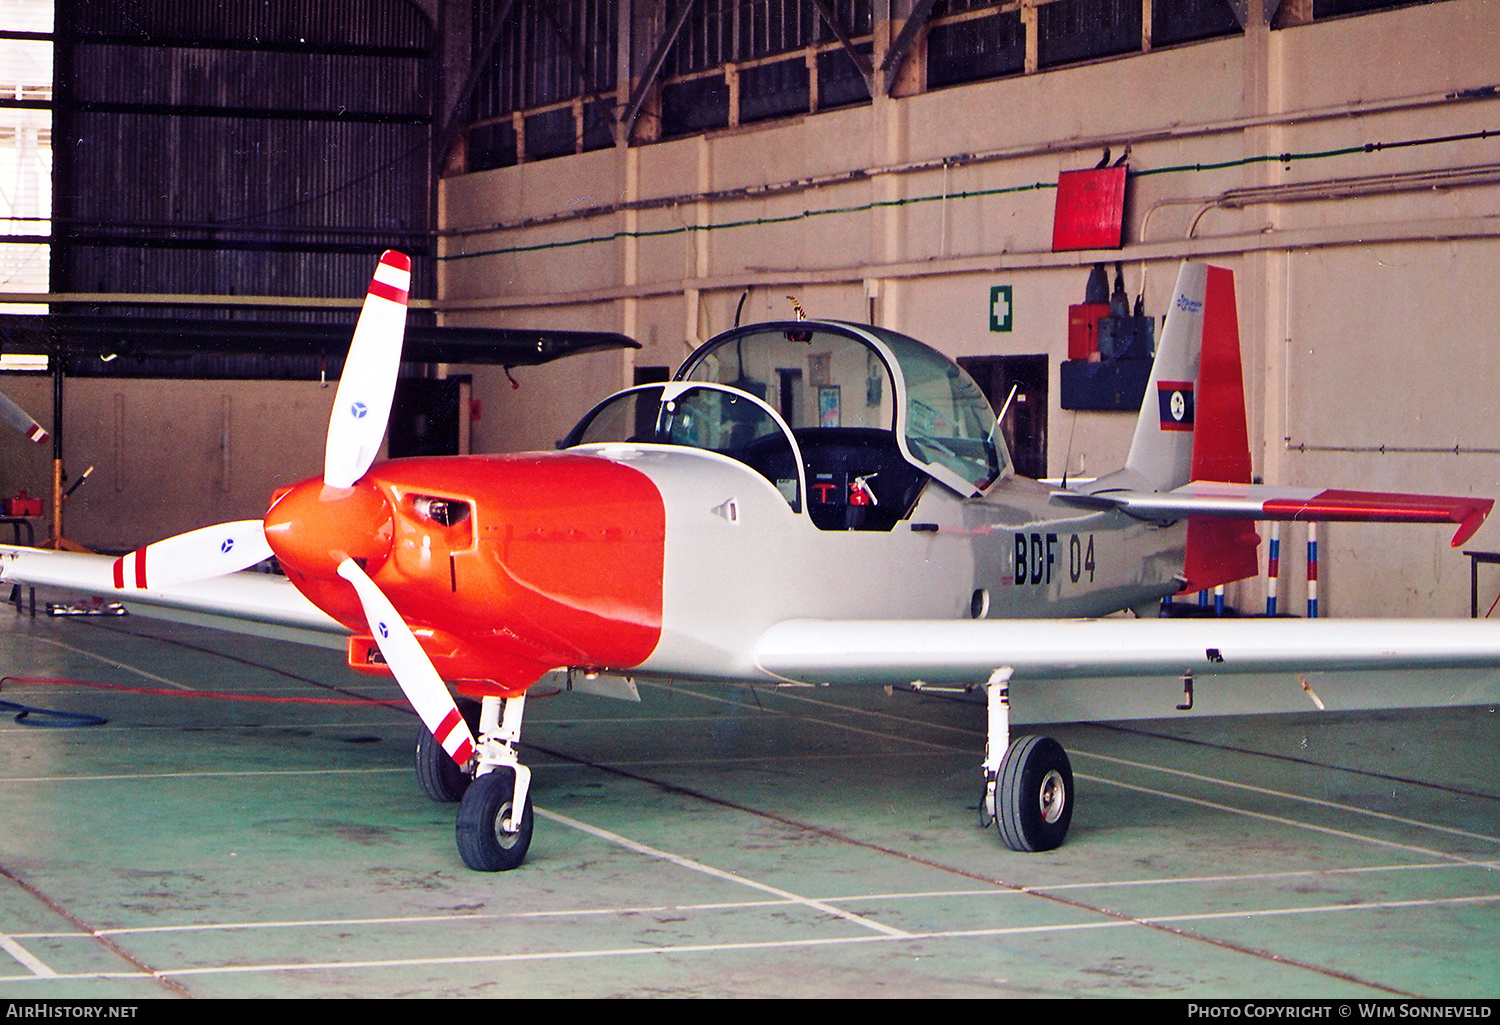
(1035, 795)
(439, 776)
(483, 843)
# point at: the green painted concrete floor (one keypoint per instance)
(712, 841)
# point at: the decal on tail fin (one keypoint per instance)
(1162, 450)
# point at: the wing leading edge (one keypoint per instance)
(967, 651)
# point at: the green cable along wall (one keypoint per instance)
(1286, 158)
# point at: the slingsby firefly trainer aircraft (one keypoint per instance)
(807, 502)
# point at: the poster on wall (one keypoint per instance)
(829, 414)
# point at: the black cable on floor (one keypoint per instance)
(50, 717)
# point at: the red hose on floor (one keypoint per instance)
(175, 693)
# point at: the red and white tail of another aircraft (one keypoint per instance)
(734, 524)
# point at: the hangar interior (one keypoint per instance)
(663, 170)
(884, 163)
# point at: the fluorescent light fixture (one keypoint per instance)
(24, 362)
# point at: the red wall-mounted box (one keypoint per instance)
(1083, 328)
(1090, 209)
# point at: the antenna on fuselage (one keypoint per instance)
(1008, 400)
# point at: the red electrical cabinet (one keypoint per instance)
(1090, 210)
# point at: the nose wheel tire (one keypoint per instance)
(1034, 795)
(483, 841)
(439, 776)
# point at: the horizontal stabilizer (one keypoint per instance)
(1268, 502)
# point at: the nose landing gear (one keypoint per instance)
(495, 816)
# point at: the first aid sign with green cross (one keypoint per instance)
(1000, 307)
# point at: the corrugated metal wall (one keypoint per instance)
(258, 147)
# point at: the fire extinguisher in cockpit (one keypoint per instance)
(860, 499)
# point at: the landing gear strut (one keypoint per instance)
(1028, 784)
(495, 816)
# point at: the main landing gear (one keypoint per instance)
(1028, 784)
(494, 808)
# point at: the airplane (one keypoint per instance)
(808, 502)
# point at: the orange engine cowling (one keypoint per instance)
(503, 566)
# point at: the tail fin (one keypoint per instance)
(1192, 425)
(1192, 422)
(1191, 455)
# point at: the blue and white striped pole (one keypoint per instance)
(1273, 569)
(1312, 571)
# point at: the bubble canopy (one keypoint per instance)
(817, 384)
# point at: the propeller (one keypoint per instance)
(335, 523)
(361, 407)
(362, 404)
(412, 668)
(197, 555)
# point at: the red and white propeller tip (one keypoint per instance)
(413, 670)
(197, 555)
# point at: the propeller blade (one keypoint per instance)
(414, 671)
(197, 555)
(362, 404)
(21, 420)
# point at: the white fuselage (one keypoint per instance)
(738, 559)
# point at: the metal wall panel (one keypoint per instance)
(241, 147)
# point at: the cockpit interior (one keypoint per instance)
(850, 423)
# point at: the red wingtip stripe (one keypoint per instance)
(1381, 507)
(120, 574)
(36, 434)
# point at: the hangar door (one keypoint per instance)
(240, 148)
(1025, 423)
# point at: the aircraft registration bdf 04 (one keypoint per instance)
(805, 502)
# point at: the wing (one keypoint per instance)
(1266, 502)
(256, 603)
(1122, 668)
